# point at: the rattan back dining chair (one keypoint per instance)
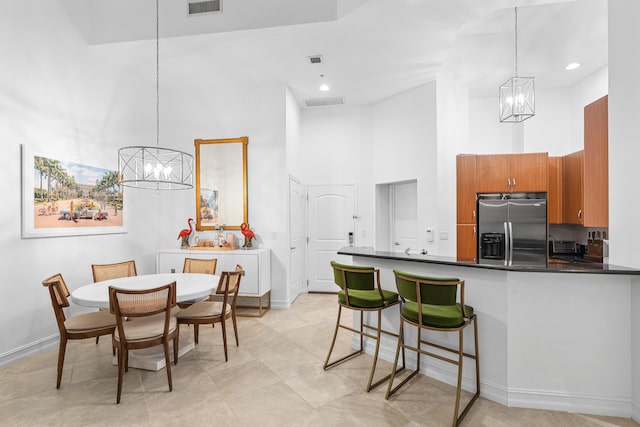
(114, 270)
(77, 327)
(153, 324)
(214, 311)
(197, 265)
(431, 304)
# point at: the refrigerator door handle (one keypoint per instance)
(510, 243)
(506, 245)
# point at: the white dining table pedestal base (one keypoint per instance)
(152, 358)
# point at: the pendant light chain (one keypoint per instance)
(516, 40)
(157, 74)
(154, 167)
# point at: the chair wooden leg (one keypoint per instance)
(224, 339)
(196, 330)
(167, 360)
(235, 327)
(121, 363)
(62, 347)
(176, 345)
(97, 339)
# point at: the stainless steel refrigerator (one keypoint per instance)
(512, 229)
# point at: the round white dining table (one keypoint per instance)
(189, 286)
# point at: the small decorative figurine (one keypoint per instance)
(248, 235)
(185, 233)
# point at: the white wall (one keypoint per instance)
(83, 103)
(46, 102)
(404, 146)
(624, 152)
(336, 149)
(199, 99)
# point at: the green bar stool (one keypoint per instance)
(360, 291)
(430, 303)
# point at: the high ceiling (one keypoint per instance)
(371, 49)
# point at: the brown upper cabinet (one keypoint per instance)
(586, 172)
(596, 163)
(555, 197)
(466, 206)
(512, 173)
(466, 189)
(572, 183)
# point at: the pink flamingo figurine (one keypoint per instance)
(185, 233)
(247, 233)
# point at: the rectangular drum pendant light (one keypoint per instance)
(517, 95)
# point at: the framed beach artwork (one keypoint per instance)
(65, 197)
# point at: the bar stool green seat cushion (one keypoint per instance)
(367, 298)
(443, 316)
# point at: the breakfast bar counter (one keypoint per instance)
(576, 265)
(558, 337)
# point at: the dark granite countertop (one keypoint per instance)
(554, 266)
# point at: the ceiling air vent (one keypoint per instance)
(197, 7)
(316, 59)
(322, 102)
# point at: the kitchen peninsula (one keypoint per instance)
(553, 337)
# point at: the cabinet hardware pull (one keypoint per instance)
(474, 231)
(474, 214)
(580, 214)
(508, 183)
(514, 183)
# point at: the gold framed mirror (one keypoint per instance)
(221, 183)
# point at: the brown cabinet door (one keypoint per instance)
(596, 164)
(466, 188)
(528, 172)
(554, 196)
(492, 173)
(572, 171)
(466, 242)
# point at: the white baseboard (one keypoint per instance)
(535, 399)
(280, 305)
(28, 350)
(584, 404)
(635, 411)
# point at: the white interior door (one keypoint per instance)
(404, 216)
(331, 218)
(296, 237)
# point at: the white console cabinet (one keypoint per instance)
(256, 282)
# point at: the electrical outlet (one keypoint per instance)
(444, 235)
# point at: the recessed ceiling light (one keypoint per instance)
(572, 66)
(324, 87)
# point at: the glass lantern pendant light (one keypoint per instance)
(155, 167)
(517, 95)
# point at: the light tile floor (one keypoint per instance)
(274, 378)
